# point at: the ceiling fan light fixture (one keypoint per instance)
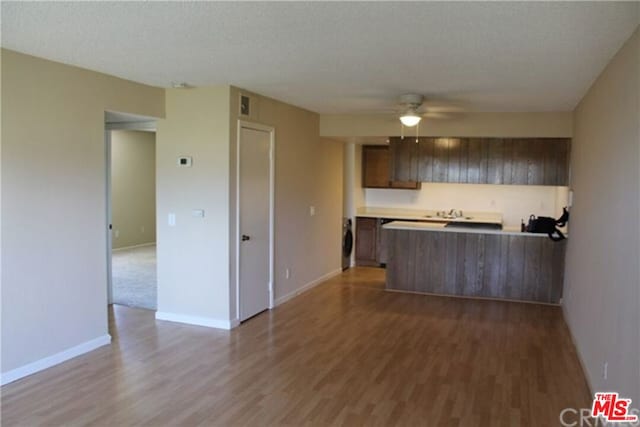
(410, 119)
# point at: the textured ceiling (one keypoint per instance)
(349, 57)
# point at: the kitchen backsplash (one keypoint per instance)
(516, 202)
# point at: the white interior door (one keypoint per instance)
(254, 221)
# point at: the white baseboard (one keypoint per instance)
(196, 320)
(47, 362)
(574, 342)
(124, 248)
(306, 287)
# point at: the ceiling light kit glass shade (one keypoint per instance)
(410, 119)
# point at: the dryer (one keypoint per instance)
(347, 242)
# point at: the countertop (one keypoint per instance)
(428, 215)
(426, 226)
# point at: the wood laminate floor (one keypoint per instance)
(343, 353)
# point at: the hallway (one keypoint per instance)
(135, 281)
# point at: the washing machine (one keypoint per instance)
(347, 242)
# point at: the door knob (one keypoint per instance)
(245, 238)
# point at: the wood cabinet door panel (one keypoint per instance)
(404, 159)
(425, 159)
(535, 158)
(520, 170)
(562, 148)
(550, 162)
(366, 241)
(495, 160)
(457, 160)
(441, 160)
(375, 166)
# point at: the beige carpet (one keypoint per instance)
(134, 277)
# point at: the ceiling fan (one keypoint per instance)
(411, 111)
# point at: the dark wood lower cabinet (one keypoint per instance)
(367, 241)
(525, 268)
(371, 242)
(382, 247)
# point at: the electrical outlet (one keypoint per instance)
(142, 229)
(116, 233)
(312, 210)
(287, 273)
(605, 369)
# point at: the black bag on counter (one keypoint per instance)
(548, 225)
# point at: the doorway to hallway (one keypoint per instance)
(131, 205)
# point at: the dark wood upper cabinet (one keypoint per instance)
(375, 166)
(532, 161)
(390, 166)
(496, 161)
(518, 161)
(404, 162)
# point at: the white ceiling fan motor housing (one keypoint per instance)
(412, 100)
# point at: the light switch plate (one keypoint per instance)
(171, 220)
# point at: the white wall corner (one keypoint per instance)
(306, 287)
(197, 320)
(573, 341)
(56, 359)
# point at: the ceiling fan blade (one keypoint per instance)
(441, 115)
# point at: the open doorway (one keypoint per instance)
(131, 210)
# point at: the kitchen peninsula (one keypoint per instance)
(433, 258)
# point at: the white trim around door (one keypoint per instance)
(107, 144)
(272, 154)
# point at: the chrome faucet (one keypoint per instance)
(452, 214)
(455, 213)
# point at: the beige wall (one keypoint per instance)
(133, 187)
(557, 124)
(602, 288)
(54, 251)
(308, 173)
(193, 256)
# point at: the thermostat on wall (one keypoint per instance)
(185, 162)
